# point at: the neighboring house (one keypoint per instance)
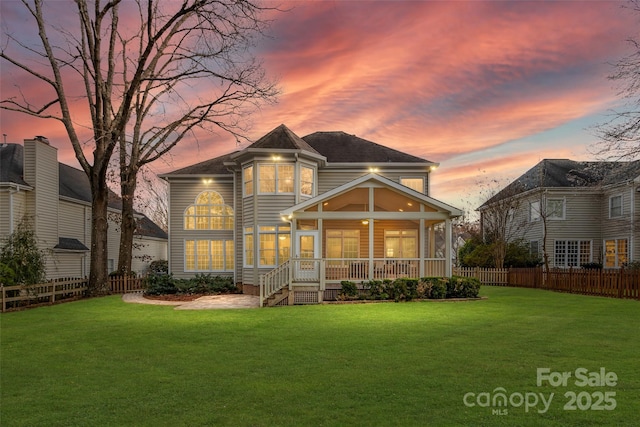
(590, 210)
(307, 213)
(57, 199)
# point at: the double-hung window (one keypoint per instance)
(247, 180)
(306, 181)
(615, 206)
(615, 253)
(534, 248)
(534, 211)
(276, 178)
(555, 208)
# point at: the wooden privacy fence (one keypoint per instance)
(61, 289)
(598, 282)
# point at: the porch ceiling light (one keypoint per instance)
(365, 222)
(275, 157)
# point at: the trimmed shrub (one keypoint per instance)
(438, 290)
(159, 266)
(375, 289)
(432, 287)
(591, 266)
(159, 284)
(463, 287)
(348, 290)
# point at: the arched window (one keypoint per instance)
(208, 213)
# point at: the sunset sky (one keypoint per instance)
(487, 89)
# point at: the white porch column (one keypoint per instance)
(423, 242)
(447, 247)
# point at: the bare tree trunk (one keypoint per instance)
(98, 276)
(127, 188)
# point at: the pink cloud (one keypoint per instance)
(437, 79)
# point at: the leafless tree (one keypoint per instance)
(499, 222)
(154, 199)
(150, 71)
(620, 135)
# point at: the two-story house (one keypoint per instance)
(56, 199)
(307, 213)
(581, 212)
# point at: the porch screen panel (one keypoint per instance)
(401, 244)
(343, 243)
(409, 244)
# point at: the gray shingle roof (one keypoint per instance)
(283, 138)
(11, 155)
(213, 166)
(74, 184)
(146, 227)
(338, 147)
(344, 148)
(565, 173)
(70, 244)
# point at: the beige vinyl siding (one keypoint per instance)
(330, 179)
(182, 194)
(5, 225)
(67, 264)
(581, 222)
(72, 221)
(144, 248)
(11, 200)
(41, 172)
(617, 226)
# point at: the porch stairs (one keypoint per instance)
(280, 287)
(281, 297)
(274, 286)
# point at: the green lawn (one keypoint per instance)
(101, 362)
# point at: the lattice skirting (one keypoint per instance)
(306, 297)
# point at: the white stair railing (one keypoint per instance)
(273, 281)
